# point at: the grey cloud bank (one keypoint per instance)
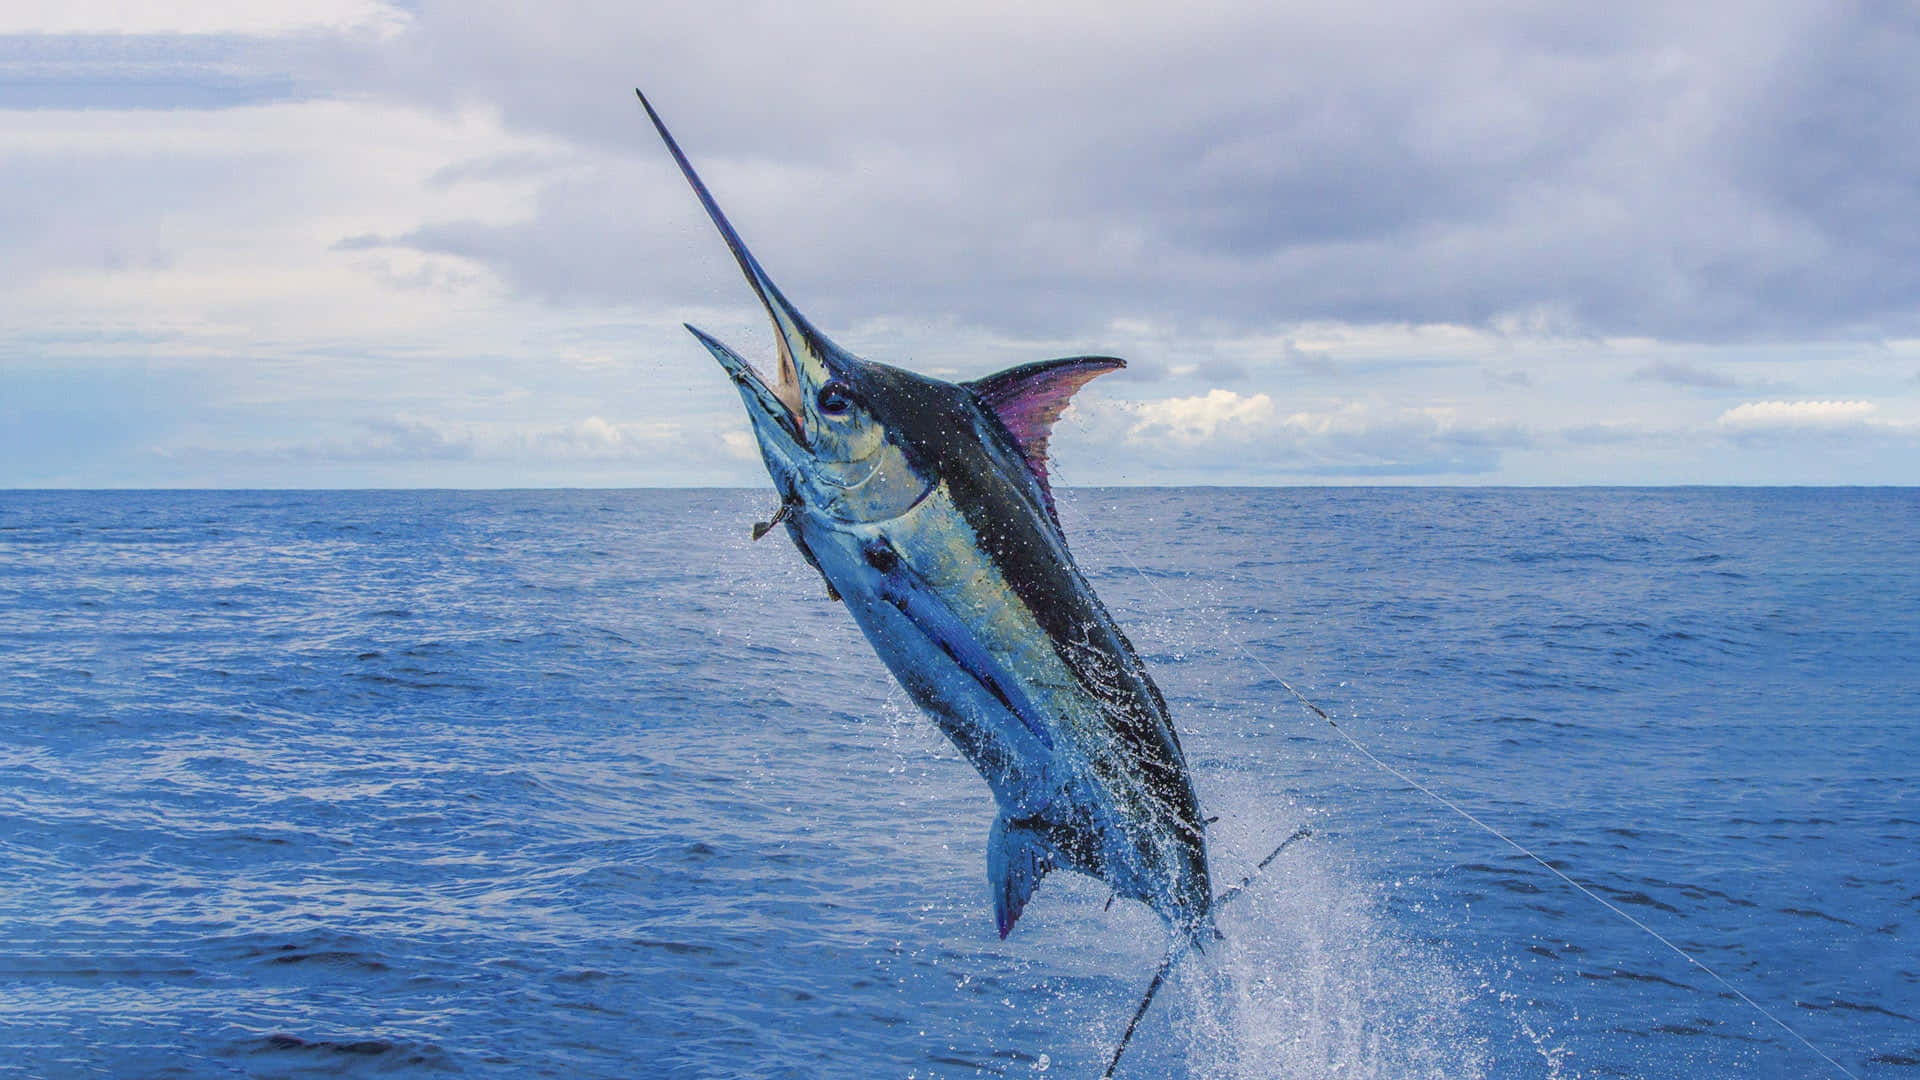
(1693, 172)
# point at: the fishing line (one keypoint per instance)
(1184, 942)
(1220, 627)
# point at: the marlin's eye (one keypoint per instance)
(834, 399)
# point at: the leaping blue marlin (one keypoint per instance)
(925, 505)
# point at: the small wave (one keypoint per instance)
(1698, 1027)
(293, 954)
(1634, 976)
(675, 948)
(1528, 558)
(582, 976)
(336, 1054)
(1635, 898)
(358, 1048)
(1701, 892)
(1853, 1006)
(1814, 913)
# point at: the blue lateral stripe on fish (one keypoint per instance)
(925, 506)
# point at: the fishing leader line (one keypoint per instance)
(1219, 625)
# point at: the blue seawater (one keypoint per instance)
(588, 784)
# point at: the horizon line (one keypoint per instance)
(1675, 486)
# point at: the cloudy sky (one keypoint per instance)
(351, 243)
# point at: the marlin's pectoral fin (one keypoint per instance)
(800, 542)
(933, 616)
(1017, 858)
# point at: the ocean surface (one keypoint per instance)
(588, 784)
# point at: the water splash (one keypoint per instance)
(1313, 979)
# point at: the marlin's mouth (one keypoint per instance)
(783, 396)
(786, 387)
(779, 402)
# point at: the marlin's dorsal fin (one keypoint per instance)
(1029, 398)
(1017, 858)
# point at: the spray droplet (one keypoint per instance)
(1043, 1064)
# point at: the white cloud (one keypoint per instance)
(1196, 419)
(592, 437)
(1763, 415)
(419, 438)
(250, 17)
(1227, 436)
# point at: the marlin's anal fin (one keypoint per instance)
(1017, 858)
(1029, 398)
